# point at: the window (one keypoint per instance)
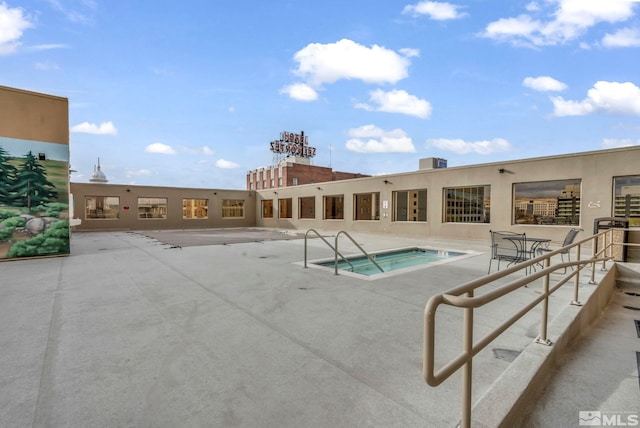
(267, 208)
(264, 184)
(102, 207)
(410, 205)
(467, 204)
(279, 181)
(194, 208)
(626, 202)
(295, 181)
(307, 207)
(367, 206)
(152, 208)
(547, 202)
(232, 208)
(284, 207)
(334, 207)
(272, 182)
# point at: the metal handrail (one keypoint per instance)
(463, 297)
(359, 247)
(335, 250)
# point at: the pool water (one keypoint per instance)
(392, 260)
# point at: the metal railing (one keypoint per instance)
(335, 249)
(463, 297)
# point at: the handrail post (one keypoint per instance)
(335, 256)
(467, 369)
(576, 279)
(594, 244)
(542, 339)
(305, 249)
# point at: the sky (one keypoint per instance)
(191, 93)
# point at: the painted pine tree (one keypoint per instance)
(31, 186)
(7, 179)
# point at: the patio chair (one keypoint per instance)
(568, 240)
(507, 246)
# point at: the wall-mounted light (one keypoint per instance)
(275, 193)
(319, 188)
(387, 182)
(504, 170)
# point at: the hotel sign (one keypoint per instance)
(291, 144)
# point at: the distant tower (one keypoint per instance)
(98, 176)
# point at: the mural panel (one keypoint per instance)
(34, 199)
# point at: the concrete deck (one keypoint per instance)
(133, 331)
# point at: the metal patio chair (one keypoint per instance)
(507, 246)
(568, 240)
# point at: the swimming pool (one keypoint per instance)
(393, 260)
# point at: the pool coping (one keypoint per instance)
(383, 275)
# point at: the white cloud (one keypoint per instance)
(300, 92)
(13, 22)
(544, 84)
(225, 164)
(48, 47)
(105, 128)
(439, 11)
(204, 150)
(623, 38)
(558, 22)
(610, 143)
(397, 101)
(483, 147)
(327, 63)
(371, 139)
(607, 97)
(129, 173)
(160, 148)
(47, 66)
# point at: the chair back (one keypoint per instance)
(507, 245)
(571, 236)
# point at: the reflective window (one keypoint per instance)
(467, 204)
(334, 207)
(267, 208)
(367, 206)
(195, 208)
(307, 207)
(410, 205)
(232, 208)
(152, 208)
(101, 207)
(626, 196)
(547, 202)
(284, 207)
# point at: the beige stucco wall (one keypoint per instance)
(34, 116)
(595, 169)
(129, 198)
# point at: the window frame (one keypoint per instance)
(449, 214)
(542, 202)
(154, 203)
(103, 209)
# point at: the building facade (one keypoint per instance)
(542, 197)
(294, 171)
(34, 174)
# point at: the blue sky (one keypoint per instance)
(191, 93)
